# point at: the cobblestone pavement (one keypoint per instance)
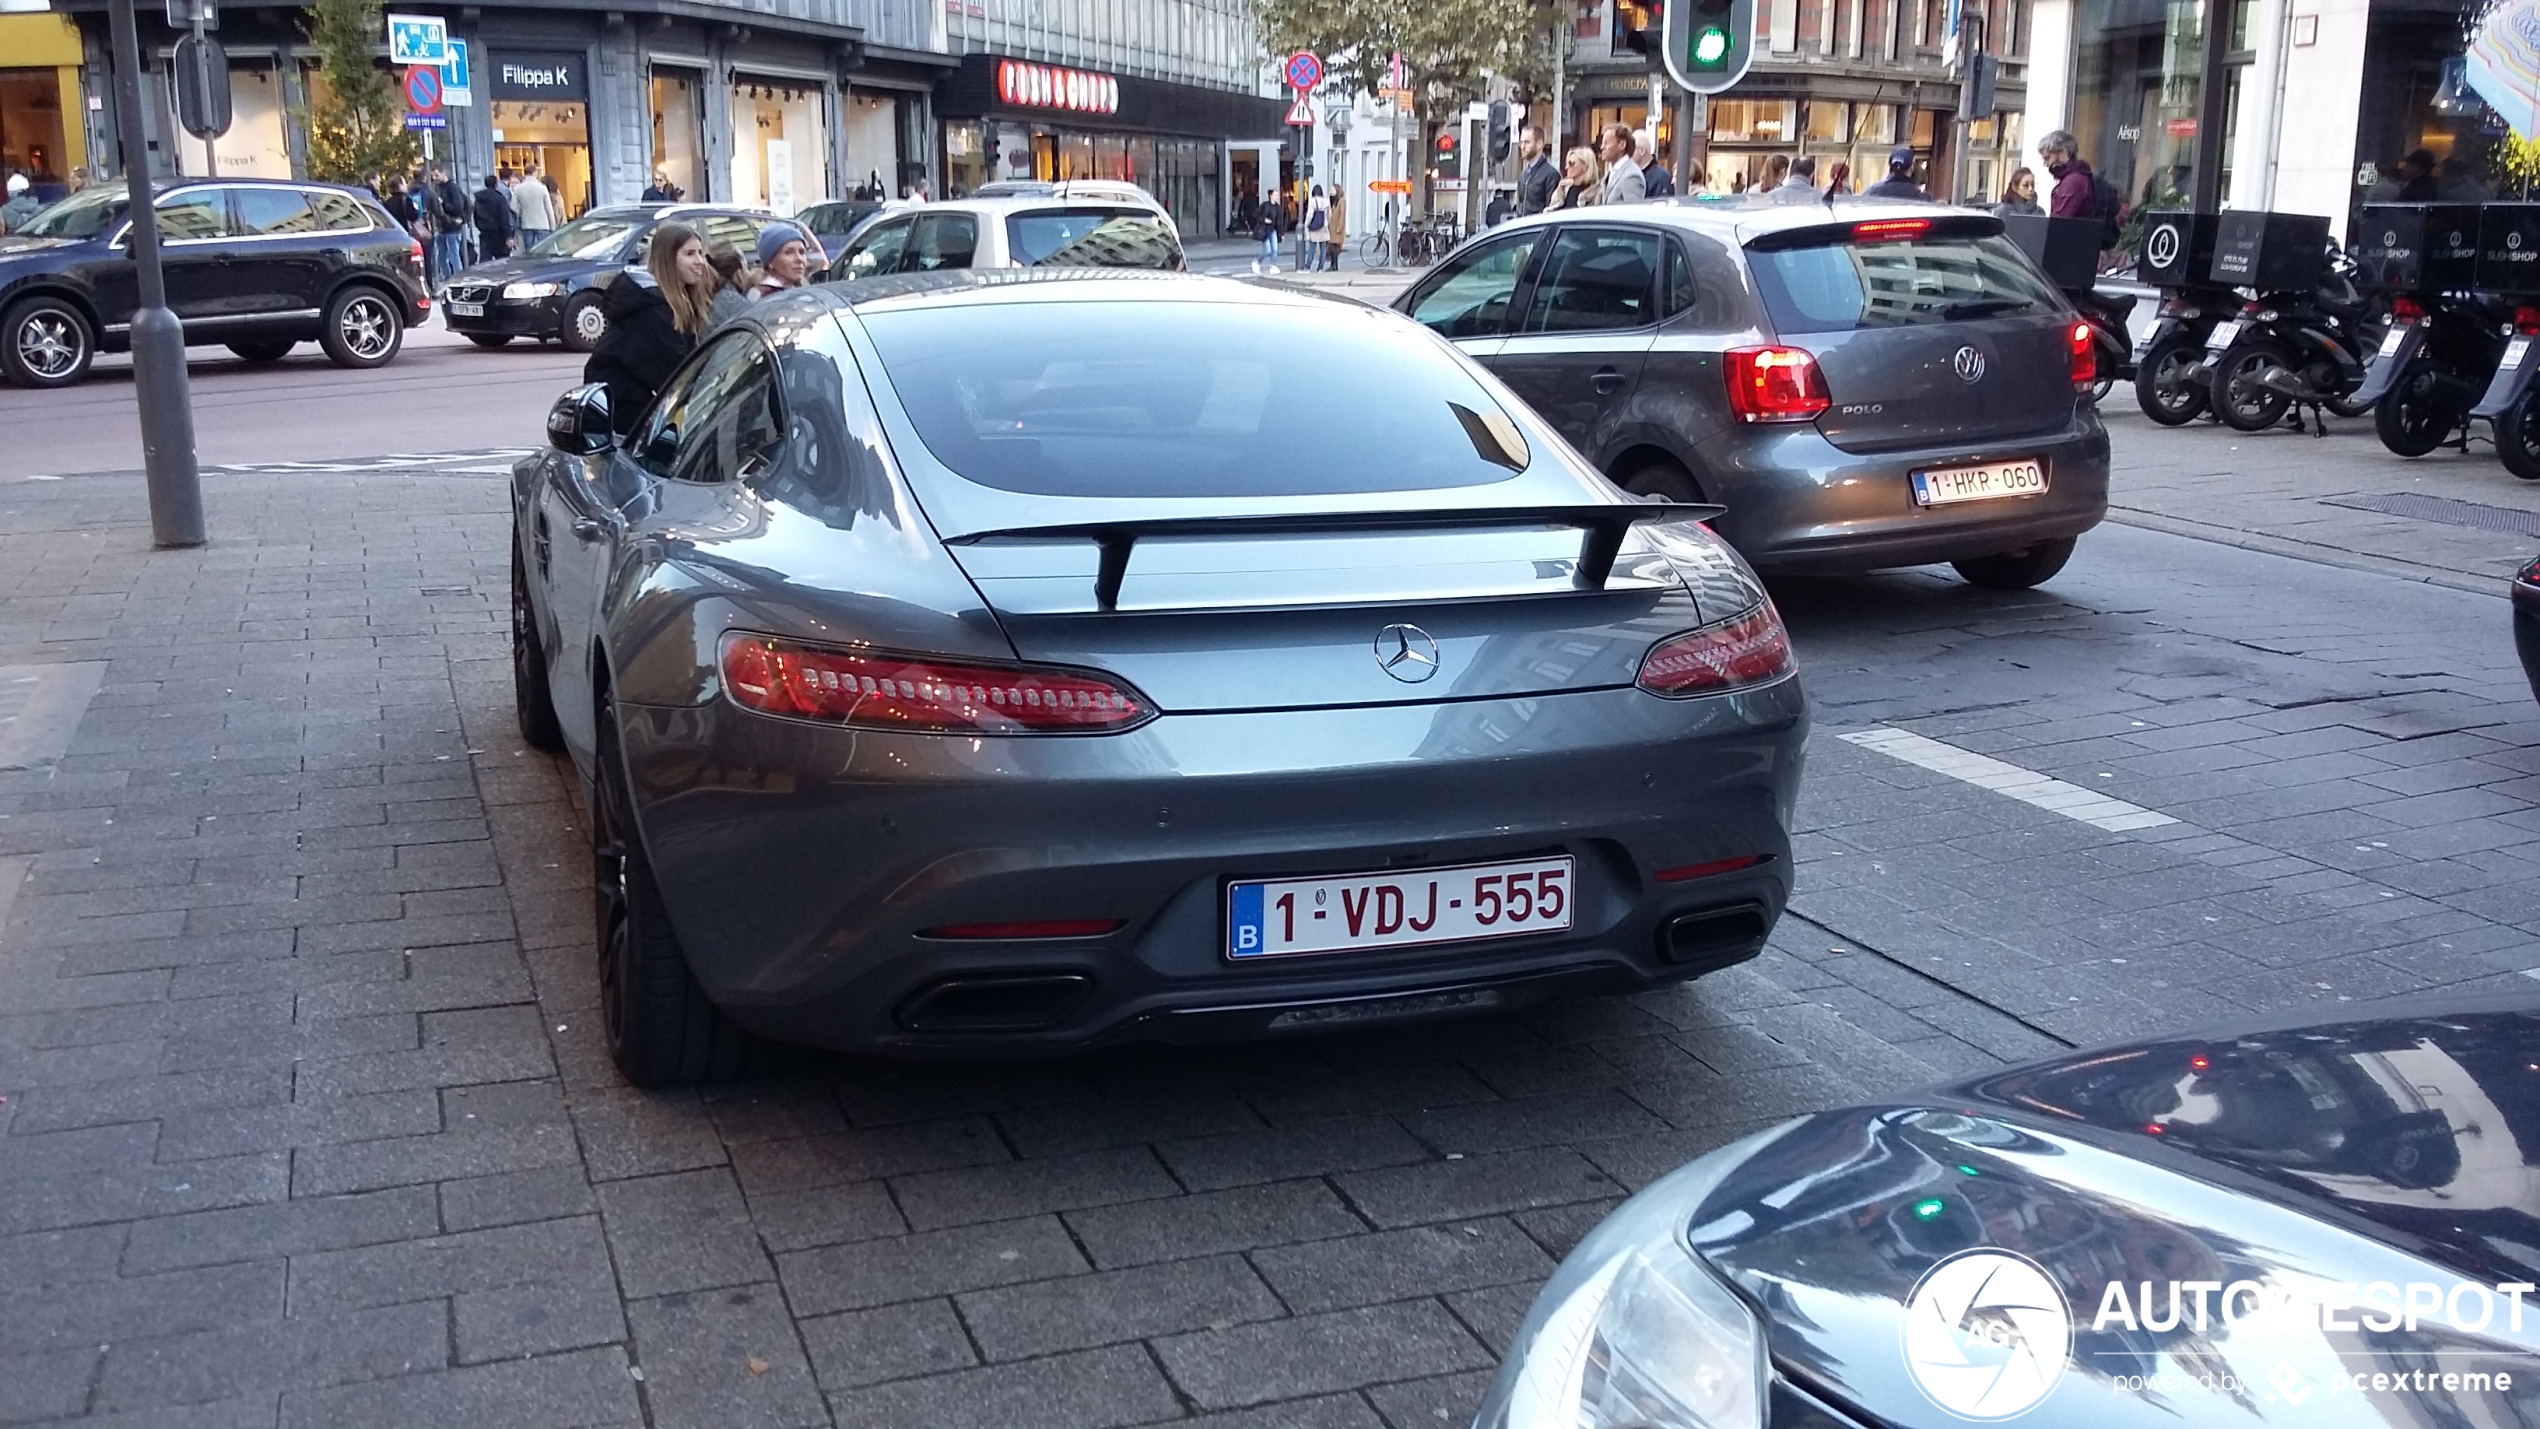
(307, 1121)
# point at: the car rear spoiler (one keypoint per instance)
(1603, 525)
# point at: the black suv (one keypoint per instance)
(558, 291)
(258, 265)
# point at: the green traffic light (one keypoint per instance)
(1710, 46)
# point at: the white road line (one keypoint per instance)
(2026, 785)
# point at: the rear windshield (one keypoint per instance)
(1837, 287)
(1104, 399)
(1092, 238)
(593, 236)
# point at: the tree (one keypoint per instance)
(356, 122)
(1448, 45)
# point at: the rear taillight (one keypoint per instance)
(1890, 230)
(1713, 869)
(2250, 308)
(2085, 355)
(2527, 321)
(872, 690)
(1744, 650)
(1775, 384)
(2406, 309)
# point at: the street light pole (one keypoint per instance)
(158, 340)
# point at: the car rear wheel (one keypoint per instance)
(2518, 437)
(45, 342)
(2409, 420)
(2241, 396)
(273, 351)
(533, 699)
(489, 339)
(2018, 570)
(584, 321)
(1661, 477)
(662, 1031)
(362, 328)
(2162, 387)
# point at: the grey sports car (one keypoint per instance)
(993, 663)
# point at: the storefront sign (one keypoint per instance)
(2181, 128)
(552, 77)
(1037, 86)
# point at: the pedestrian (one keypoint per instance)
(535, 204)
(446, 207)
(1776, 173)
(1800, 185)
(731, 282)
(1540, 176)
(1839, 179)
(1623, 181)
(2416, 177)
(1655, 181)
(655, 314)
(22, 206)
(1338, 236)
(1318, 229)
(2385, 184)
(660, 190)
(917, 191)
(2076, 193)
(2459, 184)
(1899, 182)
(1502, 203)
(1248, 215)
(1580, 182)
(784, 260)
(401, 206)
(493, 214)
(2020, 195)
(1266, 228)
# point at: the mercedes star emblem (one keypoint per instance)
(1407, 653)
(1968, 363)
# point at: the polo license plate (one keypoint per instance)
(1290, 917)
(465, 310)
(1942, 485)
(2222, 335)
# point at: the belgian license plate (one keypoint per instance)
(2390, 340)
(1357, 912)
(2514, 353)
(465, 310)
(2221, 336)
(1943, 485)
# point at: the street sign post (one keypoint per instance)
(157, 338)
(202, 88)
(423, 98)
(1300, 112)
(418, 40)
(1304, 70)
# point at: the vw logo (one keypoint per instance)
(1407, 653)
(2162, 246)
(1968, 363)
(1987, 1334)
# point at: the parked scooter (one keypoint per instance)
(2167, 385)
(2513, 395)
(2445, 335)
(2293, 345)
(2111, 346)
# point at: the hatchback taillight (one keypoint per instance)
(1775, 384)
(1742, 650)
(2527, 321)
(873, 690)
(2085, 355)
(2406, 309)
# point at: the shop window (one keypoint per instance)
(1925, 127)
(1875, 124)
(1754, 121)
(678, 132)
(31, 133)
(1829, 121)
(965, 157)
(780, 145)
(873, 145)
(551, 136)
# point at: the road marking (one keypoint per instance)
(41, 707)
(2026, 785)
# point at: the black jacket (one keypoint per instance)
(1896, 186)
(1535, 185)
(640, 348)
(447, 203)
(493, 214)
(401, 207)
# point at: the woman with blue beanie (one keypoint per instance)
(784, 258)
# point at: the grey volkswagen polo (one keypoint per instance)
(997, 663)
(1862, 385)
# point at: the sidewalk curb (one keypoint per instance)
(2311, 551)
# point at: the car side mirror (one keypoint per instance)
(579, 424)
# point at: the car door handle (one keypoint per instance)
(587, 528)
(1607, 381)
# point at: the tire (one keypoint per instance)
(2518, 437)
(363, 328)
(273, 351)
(533, 699)
(2161, 387)
(45, 342)
(2407, 419)
(1664, 478)
(2243, 405)
(2018, 570)
(583, 322)
(2347, 406)
(490, 339)
(662, 1032)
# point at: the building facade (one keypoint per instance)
(43, 133)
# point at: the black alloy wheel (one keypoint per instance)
(2410, 419)
(2018, 570)
(2518, 436)
(2162, 387)
(662, 1032)
(533, 698)
(261, 352)
(362, 328)
(584, 321)
(45, 342)
(2241, 396)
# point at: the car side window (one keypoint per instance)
(942, 241)
(1595, 279)
(267, 212)
(727, 228)
(1471, 295)
(877, 252)
(193, 216)
(717, 418)
(337, 213)
(1681, 291)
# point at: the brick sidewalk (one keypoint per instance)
(308, 1123)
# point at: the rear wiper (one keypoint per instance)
(1982, 308)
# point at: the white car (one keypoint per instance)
(1041, 230)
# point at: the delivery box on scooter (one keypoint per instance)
(2065, 249)
(2271, 252)
(2509, 249)
(2416, 247)
(2178, 247)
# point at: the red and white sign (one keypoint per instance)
(1304, 70)
(1037, 86)
(1301, 113)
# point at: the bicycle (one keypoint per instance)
(1374, 250)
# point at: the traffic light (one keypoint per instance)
(1499, 131)
(1447, 155)
(1709, 43)
(1975, 89)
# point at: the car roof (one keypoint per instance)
(1023, 203)
(244, 182)
(1742, 217)
(974, 287)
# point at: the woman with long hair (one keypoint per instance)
(2019, 195)
(732, 281)
(655, 314)
(1839, 179)
(1581, 178)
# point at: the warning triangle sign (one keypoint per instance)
(1301, 112)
